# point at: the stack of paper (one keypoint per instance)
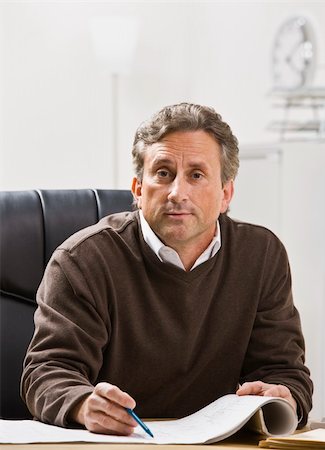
(309, 440)
(215, 422)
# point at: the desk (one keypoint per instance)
(241, 440)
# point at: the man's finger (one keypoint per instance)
(113, 393)
(251, 387)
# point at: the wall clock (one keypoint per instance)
(293, 54)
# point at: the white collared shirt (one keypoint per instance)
(168, 254)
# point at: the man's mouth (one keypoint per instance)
(178, 213)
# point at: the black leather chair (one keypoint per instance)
(32, 224)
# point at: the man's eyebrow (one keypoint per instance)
(198, 165)
(162, 160)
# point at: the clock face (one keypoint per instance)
(293, 54)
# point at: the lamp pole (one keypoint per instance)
(114, 118)
(114, 41)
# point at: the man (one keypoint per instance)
(169, 307)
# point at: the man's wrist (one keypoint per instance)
(77, 412)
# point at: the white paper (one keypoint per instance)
(216, 421)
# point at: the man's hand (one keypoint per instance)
(103, 411)
(267, 390)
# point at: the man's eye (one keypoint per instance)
(197, 175)
(163, 173)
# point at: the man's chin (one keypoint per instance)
(175, 234)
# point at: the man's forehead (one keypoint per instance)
(186, 144)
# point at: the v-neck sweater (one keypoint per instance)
(110, 310)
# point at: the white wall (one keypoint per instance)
(258, 187)
(56, 99)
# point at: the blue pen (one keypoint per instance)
(139, 421)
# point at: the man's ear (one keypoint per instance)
(228, 192)
(136, 191)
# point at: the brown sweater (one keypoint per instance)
(109, 310)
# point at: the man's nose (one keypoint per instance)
(178, 190)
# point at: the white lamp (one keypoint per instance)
(114, 41)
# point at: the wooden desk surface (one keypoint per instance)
(87, 446)
(242, 440)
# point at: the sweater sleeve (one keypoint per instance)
(276, 350)
(66, 351)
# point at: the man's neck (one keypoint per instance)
(189, 253)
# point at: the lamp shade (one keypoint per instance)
(114, 40)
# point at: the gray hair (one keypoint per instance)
(187, 117)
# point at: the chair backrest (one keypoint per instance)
(32, 225)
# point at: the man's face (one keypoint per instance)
(181, 194)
